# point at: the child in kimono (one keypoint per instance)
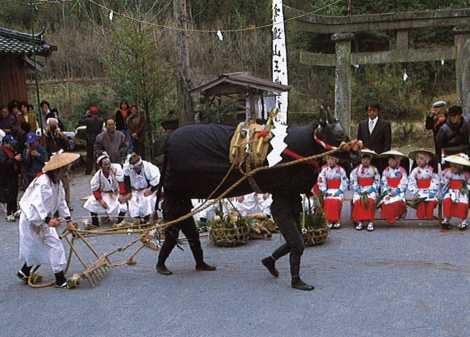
(365, 183)
(332, 182)
(423, 184)
(455, 187)
(393, 188)
(106, 185)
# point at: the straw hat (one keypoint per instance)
(414, 154)
(367, 152)
(391, 153)
(459, 159)
(60, 160)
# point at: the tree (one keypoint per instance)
(137, 69)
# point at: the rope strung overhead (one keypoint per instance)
(210, 31)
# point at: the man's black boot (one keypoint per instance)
(24, 272)
(60, 280)
(205, 267)
(162, 269)
(297, 283)
(269, 263)
(165, 251)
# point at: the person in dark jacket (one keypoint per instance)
(94, 126)
(121, 117)
(136, 125)
(436, 119)
(47, 113)
(9, 176)
(55, 139)
(113, 142)
(34, 157)
(121, 120)
(454, 136)
(375, 132)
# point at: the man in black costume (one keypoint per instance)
(172, 209)
(287, 218)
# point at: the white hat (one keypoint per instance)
(104, 155)
(459, 159)
(391, 153)
(414, 154)
(367, 152)
(134, 157)
(439, 104)
(2, 135)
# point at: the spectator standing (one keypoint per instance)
(9, 176)
(113, 142)
(31, 117)
(47, 113)
(94, 126)
(34, 157)
(136, 125)
(453, 136)
(55, 139)
(121, 117)
(375, 132)
(436, 119)
(56, 142)
(7, 120)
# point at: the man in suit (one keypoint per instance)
(375, 132)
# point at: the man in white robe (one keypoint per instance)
(39, 242)
(106, 185)
(141, 179)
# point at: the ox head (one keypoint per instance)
(329, 129)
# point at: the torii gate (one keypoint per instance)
(342, 31)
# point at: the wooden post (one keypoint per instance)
(462, 66)
(185, 106)
(343, 79)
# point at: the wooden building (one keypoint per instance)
(16, 59)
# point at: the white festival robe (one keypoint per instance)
(364, 172)
(430, 193)
(254, 203)
(39, 243)
(109, 188)
(454, 193)
(400, 173)
(140, 205)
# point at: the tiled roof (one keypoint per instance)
(13, 42)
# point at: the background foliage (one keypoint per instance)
(126, 60)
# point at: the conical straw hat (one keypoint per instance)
(459, 159)
(60, 160)
(391, 153)
(413, 154)
(367, 152)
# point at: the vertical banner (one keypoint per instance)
(279, 59)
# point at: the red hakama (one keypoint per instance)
(393, 210)
(332, 205)
(361, 212)
(425, 209)
(452, 209)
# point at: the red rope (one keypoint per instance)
(294, 155)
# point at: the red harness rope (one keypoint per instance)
(313, 163)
